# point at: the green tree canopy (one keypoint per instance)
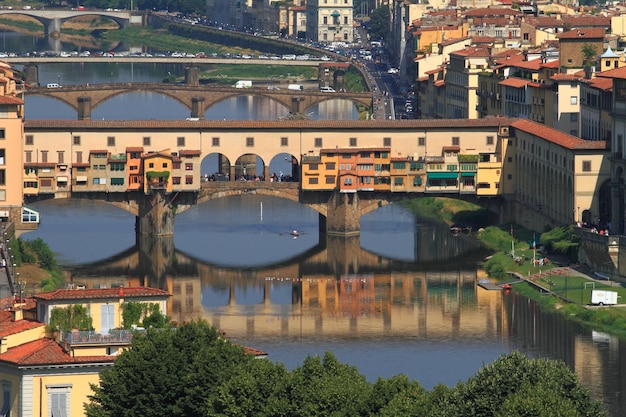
(192, 371)
(379, 23)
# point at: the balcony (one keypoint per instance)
(90, 337)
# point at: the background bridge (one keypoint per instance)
(196, 98)
(52, 20)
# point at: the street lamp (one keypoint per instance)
(59, 79)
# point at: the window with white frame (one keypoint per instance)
(59, 400)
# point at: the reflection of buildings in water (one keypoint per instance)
(336, 110)
(429, 304)
(594, 356)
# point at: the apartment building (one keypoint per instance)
(329, 20)
(11, 153)
(46, 372)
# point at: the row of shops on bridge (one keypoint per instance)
(340, 169)
(375, 169)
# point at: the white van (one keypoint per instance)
(243, 84)
(295, 87)
(327, 89)
(53, 85)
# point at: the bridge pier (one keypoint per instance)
(84, 108)
(31, 74)
(295, 105)
(197, 107)
(156, 214)
(192, 76)
(343, 216)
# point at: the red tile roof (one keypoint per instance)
(101, 293)
(8, 326)
(492, 11)
(582, 33)
(11, 100)
(556, 136)
(189, 152)
(47, 351)
(515, 82)
(99, 151)
(134, 149)
(354, 150)
(614, 73)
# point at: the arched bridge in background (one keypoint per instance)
(196, 98)
(52, 20)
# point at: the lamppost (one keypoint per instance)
(59, 79)
(578, 215)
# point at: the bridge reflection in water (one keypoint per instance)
(334, 287)
(338, 291)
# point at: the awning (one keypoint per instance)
(81, 178)
(61, 179)
(468, 174)
(335, 14)
(443, 175)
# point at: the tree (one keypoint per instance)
(513, 382)
(325, 387)
(379, 23)
(589, 54)
(170, 372)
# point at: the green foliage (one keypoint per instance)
(379, 23)
(169, 373)
(192, 371)
(325, 387)
(466, 158)
(589, 54)
(71, 317)
(562, 240)
(143, 315)
(509, 382)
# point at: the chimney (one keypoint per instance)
(17, 313)
(120, 292)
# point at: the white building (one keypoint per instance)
(329, 20)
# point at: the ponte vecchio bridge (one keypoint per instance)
(152, 169)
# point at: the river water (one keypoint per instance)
(401, 298)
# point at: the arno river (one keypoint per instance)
(401, 298)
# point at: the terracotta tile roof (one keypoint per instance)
(544, 21)
(354, 150)
(600, 83)
(435, 71)
(551, 64)
(46, 351)
(439, 83)
(101, 293)
(614, 73)
(492, 11)
(473, 51)
(587, 21)
(8, 326)
(483, 39)
(564, 77)
(40, 164)
(515, 82)
(492, 21)
(244, 125)
(582, 33)
(134, 149)
(451, 148)
(453, 41)
(556, 136)
(189, 152)
(11, 100)
(99, 151)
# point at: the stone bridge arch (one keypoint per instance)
(194, 97)
(53, 20)
(120, 200)
(214, 190)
